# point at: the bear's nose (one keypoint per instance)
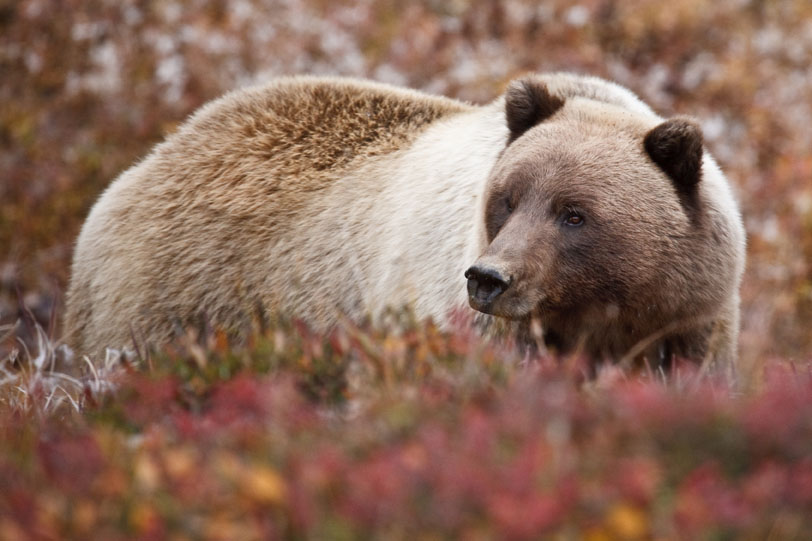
(485, 284)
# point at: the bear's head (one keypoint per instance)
(598, 225)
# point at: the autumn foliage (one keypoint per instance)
(409, 433)
(396, 435)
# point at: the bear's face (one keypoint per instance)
(591, 215)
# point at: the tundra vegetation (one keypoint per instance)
(405, 431)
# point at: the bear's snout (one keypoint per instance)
(485, 284)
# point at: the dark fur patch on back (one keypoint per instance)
(528, 102)
(331, 124)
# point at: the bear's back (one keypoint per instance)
(298, 132)
(190, 226)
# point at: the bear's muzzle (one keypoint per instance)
(485, 285)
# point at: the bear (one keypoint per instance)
(565, 214)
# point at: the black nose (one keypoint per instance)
(484, 285)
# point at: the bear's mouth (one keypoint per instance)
(510, 304)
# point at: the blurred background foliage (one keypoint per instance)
(88, 86)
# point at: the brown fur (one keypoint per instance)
(640, 266)
(320, 197)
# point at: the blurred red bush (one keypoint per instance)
(88, 87)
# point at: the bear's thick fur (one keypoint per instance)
(566, 201)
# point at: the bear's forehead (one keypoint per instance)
(557, 150)
(587, 163)
(586, 144)
(595, 128)
(575, 170)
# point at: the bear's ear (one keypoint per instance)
(528, 102)
(676, 147)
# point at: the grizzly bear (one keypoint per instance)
(566, 203)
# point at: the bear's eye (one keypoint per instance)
(508, 205)
(573, 218)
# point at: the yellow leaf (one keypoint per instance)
(147, 475)
(597, 534)
(180, 462)
(265, 485)
(627, 522)
(84, 515)
(143, 516)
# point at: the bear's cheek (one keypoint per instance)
(569, 283)
(584, 273)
